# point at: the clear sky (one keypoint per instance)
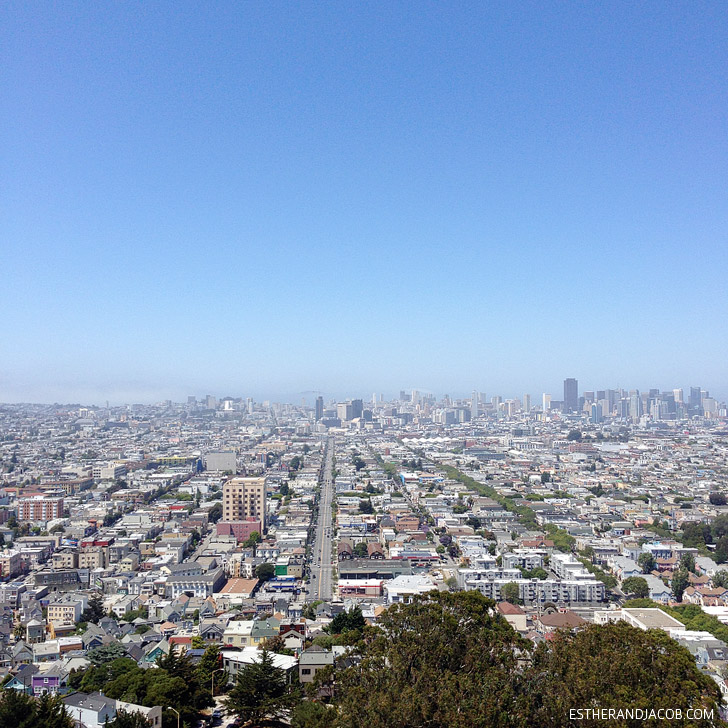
(267, 198)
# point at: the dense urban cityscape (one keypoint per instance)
(364, 364)
(215, 528)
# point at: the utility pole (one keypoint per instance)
(212, 677)
(176, 711)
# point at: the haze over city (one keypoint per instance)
(260, 200)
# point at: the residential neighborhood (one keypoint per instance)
(149, 531)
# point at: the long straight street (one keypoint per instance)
(320, 583)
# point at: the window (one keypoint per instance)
(305, 671)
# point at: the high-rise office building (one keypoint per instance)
(244, 498)
(596, 414)
(474, 406)
(526, 403)
(695, 399)
(357, 407)
(571, 395)
(546, 402)
(319, 412)
(635, 405)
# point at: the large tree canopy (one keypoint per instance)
(445, 660)
(616, 666)
(449, 660)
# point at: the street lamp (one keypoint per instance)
(212, 678)
(176, 711)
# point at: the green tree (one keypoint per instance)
(562, 539)
(721, 550)
(719, 526)
(309, 714)
(209, 662)
(365, 506)
(720, 579)
(260, 692)
(95, 609)
(347, 622)
(614, 666)
(360, 550)
(309, 610)
(17, 709)
(107, 653)
(97, 676)
(646, 562)
(680, 582)
(510, 592)
(637, 586)
(125, 719)
(252, 540)
(696, 535)
(266, 571)
(687, 562)
(424, 666)
(51, 713)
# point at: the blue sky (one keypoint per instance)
(266, 198)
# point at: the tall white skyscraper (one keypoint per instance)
(526, 403)
(474, 406)
(546, 402)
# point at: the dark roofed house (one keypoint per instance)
(569, 620)
(22, 679)
(375, 550)
(344, 550)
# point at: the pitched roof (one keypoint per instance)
(508, 608)
(567, 620)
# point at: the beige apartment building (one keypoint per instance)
(93, 558)
(244, 498)
(64, 611)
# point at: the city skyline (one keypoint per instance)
(279, 198)
(534, 399)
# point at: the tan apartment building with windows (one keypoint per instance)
(93, 558)
(244, 498)
(66, 611)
